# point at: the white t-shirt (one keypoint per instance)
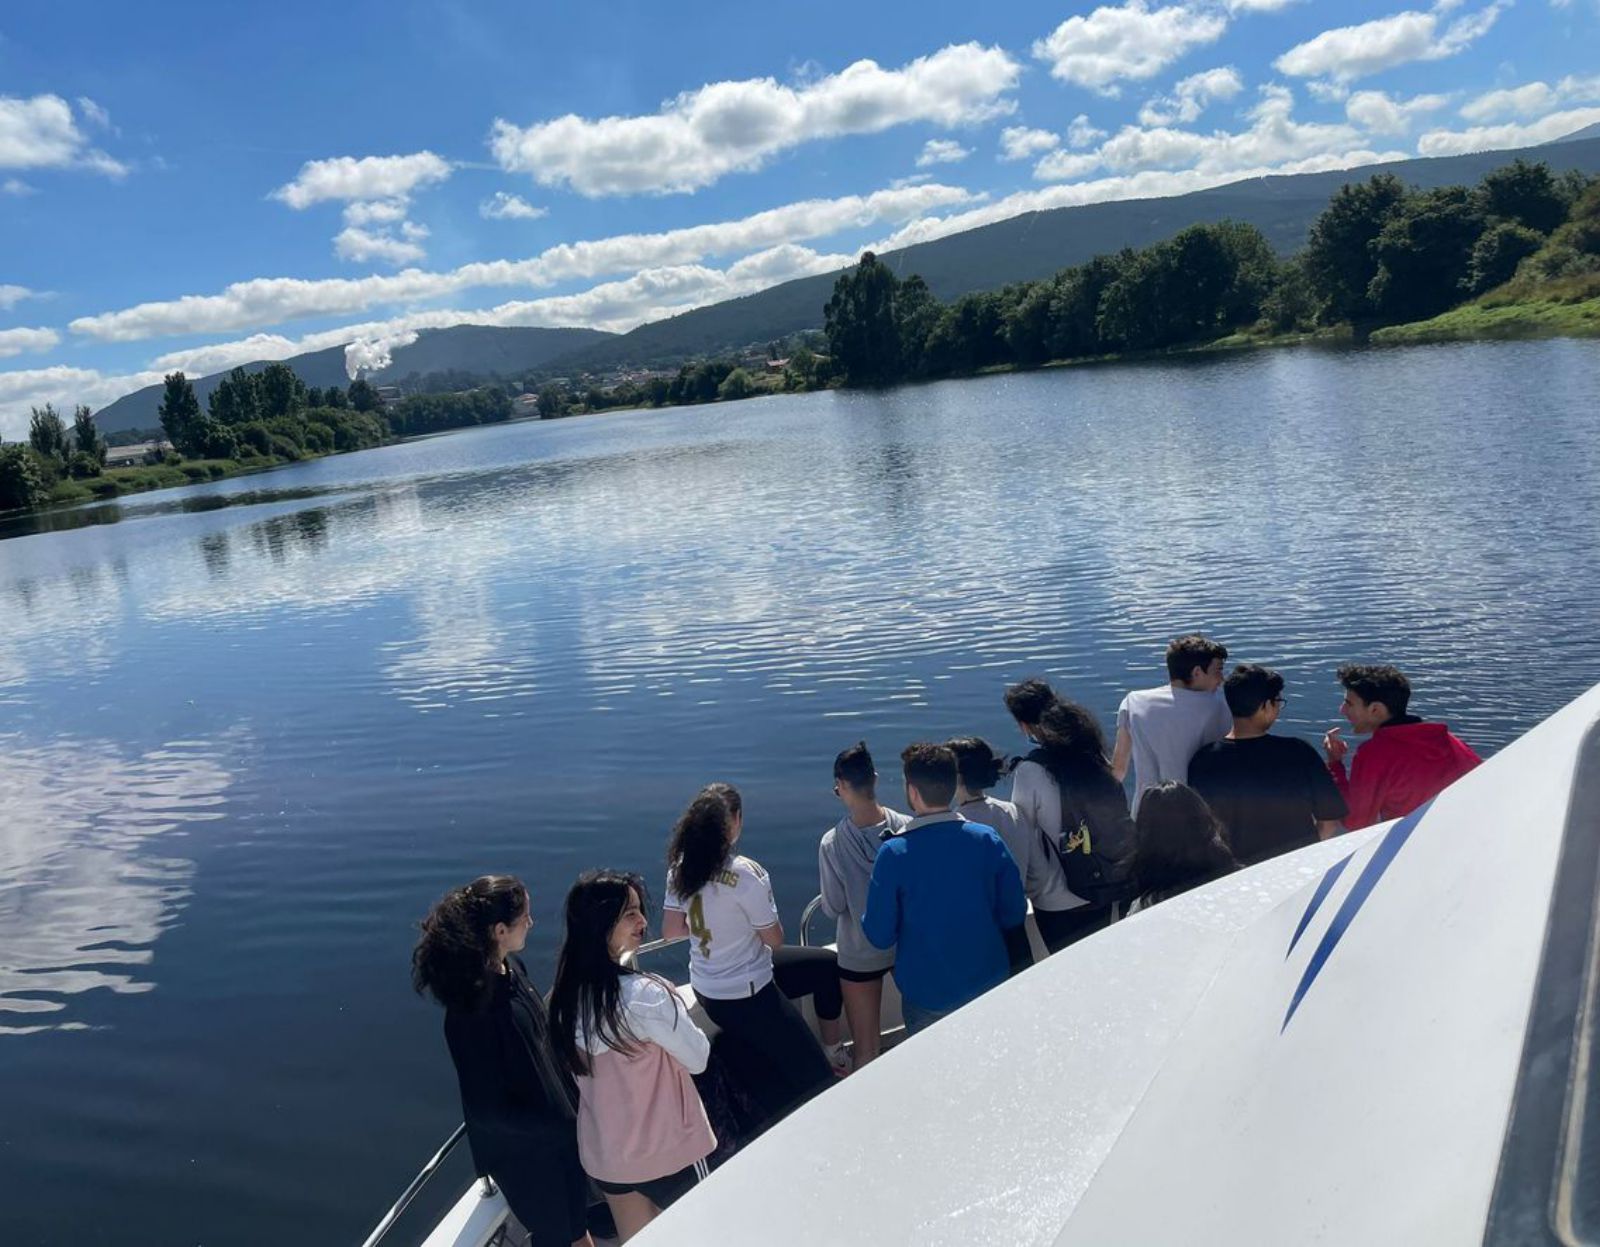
(1167, 726)
(727, 959)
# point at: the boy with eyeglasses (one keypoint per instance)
(1271, 792)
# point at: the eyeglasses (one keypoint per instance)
(1279, 702)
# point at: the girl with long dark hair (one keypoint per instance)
(643, 1135)
(519, 1104)
(1180, 843)
(738, 965)
(1065, 786)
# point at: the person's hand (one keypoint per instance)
(1334, 745)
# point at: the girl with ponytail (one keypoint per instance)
(518, 1102)
(742, 974)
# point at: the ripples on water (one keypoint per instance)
(253, 728)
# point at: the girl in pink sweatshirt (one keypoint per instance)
(629, 1041)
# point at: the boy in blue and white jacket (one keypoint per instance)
(944, 892)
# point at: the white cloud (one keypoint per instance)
(503, 206)
(1349, 52)
(368, 212)
(1532, 99)
(269, 301)
(1019, 142)
(1192, 96)
(700, 136)
(1327, 91)
(21, 341)
(1064, 166)
(1492, 138)
(941, 152)
(41, 133)
(1082, 134)
(360, 245)
(1127, 41)
(10, 296)
(199, 361)
(1274, 138)
(94, 114)
(370, 177)
(1379, 113)
(63, 386)
(16, 186)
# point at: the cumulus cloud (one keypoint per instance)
(1349, 52)
(1274, 141)
(64, 386)
(1380, 113)
(1191, 96)
(22, 341)
(369, 177)
(1126, 41)
(700, 136)
(1064, 166)
(42, 133)
(1082, 134)
(199, 361)
(941, 152)
(1532, 99)
(1021, 143)
(359, 245)
(16, 186)
(1512, 134)
(269, 301)
(504, 206)
(10, 296)
(369, 212)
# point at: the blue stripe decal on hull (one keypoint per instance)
(1371, 873)
(1329, 878)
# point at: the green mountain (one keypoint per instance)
(1029, 247)
(484, 351)
(1023, 248)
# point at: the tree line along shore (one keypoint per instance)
(1517, 255)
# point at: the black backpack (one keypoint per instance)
(1096, 840)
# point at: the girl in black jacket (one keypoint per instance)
(518, 1103)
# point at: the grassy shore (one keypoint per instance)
(1569, 308)
(114, 482)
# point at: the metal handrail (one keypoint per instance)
(805, 920)
(417, 1183)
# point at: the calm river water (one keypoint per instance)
(252, 729)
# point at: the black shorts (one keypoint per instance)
(662, 1192)
(863, 976)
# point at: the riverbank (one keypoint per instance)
(141, 478)
(1561, 309)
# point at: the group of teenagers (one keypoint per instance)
(598, 1084)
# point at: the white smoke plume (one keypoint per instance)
(374, 354)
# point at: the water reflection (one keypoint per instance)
(87, 880)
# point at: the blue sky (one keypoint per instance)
(187, 185)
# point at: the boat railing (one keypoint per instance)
(805, 922)
(417, 1183)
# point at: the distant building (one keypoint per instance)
(389, 394)
(122, 456)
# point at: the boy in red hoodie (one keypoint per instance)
(1407, 761)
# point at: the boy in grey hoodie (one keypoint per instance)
(844, 862)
